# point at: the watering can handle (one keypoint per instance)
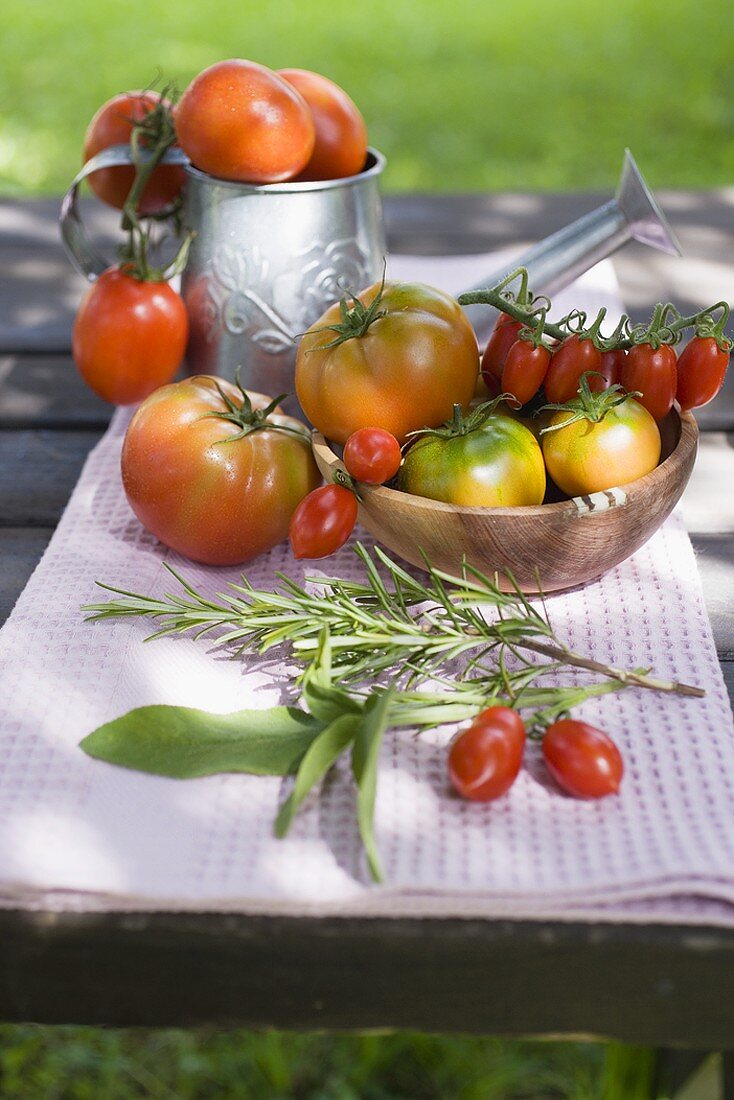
(87, 261)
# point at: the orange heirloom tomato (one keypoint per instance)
(112, 125)
(215, 490)
(406, 355)
(341, 135)
(241, 121)
(585, 457)
(129, 336)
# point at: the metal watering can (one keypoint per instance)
(266, 261)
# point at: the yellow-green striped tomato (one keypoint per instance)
(499, 465)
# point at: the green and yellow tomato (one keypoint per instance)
(496, 465)
(587, 457)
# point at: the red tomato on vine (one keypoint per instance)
(653, 373)
(702, 368)
(129, 336)
(113, 125)
(505, 334)
(524, 370)
(572, 358)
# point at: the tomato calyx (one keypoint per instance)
(356, 319)
(248, 419)
(588, 405)
(463, 425)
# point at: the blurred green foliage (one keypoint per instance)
(459, 95)
(87, 1064)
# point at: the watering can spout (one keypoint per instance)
(646, 220)
(633, 214)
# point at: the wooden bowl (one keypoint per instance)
(568, 543)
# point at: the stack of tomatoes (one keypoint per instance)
(237, 120)
(211, 471)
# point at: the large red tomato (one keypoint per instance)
(129, 336)
(409, 357)
(112, 125)
(204, 487)
(241, 121)
(341, 135)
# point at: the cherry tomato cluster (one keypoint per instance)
(485, 759)
(517, 362)
(325, 519)
(236, 120)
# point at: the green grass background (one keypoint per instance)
(460, 95)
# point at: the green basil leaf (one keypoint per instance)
(365, 755)
(184, 743)
(324, 751)
(325, 701)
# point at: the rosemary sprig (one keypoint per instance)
(412, 628)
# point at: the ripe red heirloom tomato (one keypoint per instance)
(340, 148)
(701, 371)
(372, 455)
(241, 121)
(113, 125)
(129, 336)
(503, 337)
(524, 370)
(653, 372)
(403, 358)
(572, 358)
(323, 521)
(210, 475)
(582, 759)
(484, 759)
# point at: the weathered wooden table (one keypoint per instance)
(669, 986)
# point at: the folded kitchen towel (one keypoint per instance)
(76, 833)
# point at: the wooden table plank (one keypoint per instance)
(46, 391)
(38, 470)
(645, 985)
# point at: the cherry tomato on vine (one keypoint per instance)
(524, 370)
(372, 455)
(572, 358)
(653, 372)
(503, 337)
(129, 336)
(341, 135)
(323, 521)
(612, 363)
(484, 759)
(241, 121)
(582, 759)
(701, 371)
(112, 125)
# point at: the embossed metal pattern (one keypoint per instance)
(266, 263)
